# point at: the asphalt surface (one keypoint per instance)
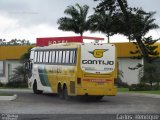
(32, 105)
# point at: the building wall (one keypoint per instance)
(10, 56)
(129, 76)
(9, 59)
(9, 66)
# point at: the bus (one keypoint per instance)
(74, 69)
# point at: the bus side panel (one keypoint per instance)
(52, 77)
(67, 76)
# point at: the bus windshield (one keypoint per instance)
(97, 58)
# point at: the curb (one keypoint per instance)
(16, 90)
(142, 94)
(8, 98)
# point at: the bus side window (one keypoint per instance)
(41, 56)
(74, 57)
(50, 56)
(46, 56)
(63, 57)
(53, 56)
(32, 55)
(71, 57)
(60, 57)
(38, 56)
(57, 56)
(35, 56)
(67, 57)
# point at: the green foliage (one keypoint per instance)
(143, 87)
(76, 20)
(16, 84)
(25, 57)
(14, 42)
(148, 72)
(140, 87)
(102, 22)
(19, 77)
(151, 74)
(131, 22)
(150, 47)
(1, 85)
(119, 81)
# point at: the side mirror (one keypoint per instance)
(28, 65)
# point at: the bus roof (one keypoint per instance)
(59, 45)
(51, 40)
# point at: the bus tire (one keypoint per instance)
(35, 89)
(65, 93)
(93, 98)
(98, 98)
(60, 92)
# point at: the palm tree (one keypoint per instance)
(102, 22)
(76, 20)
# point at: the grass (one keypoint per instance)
(13, 87)
(5, 94)
(147, 92)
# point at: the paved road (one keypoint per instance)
(29, 103)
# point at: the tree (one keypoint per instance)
(25, 57)
(132, 22)
(104, 19)
(76, 20)
(14, 42)
(18, 77)
(150, 74)
(20, 74)
(139, 22)
(101, 22)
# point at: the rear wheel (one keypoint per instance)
(60, 94)
(94, 98)
(65, 93)
(35, 90)
(98, 98)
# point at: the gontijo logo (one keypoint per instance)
(98, 53)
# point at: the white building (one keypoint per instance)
(9, 60)
(126, 62)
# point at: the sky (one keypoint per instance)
(31, 19)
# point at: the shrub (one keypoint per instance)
(122, 84)
(1, 84)
(156, 87)
(140, 87)
(16, 84)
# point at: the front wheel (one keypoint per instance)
(35, 90)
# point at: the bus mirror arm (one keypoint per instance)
(28, 65)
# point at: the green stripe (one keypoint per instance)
(43, 76)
